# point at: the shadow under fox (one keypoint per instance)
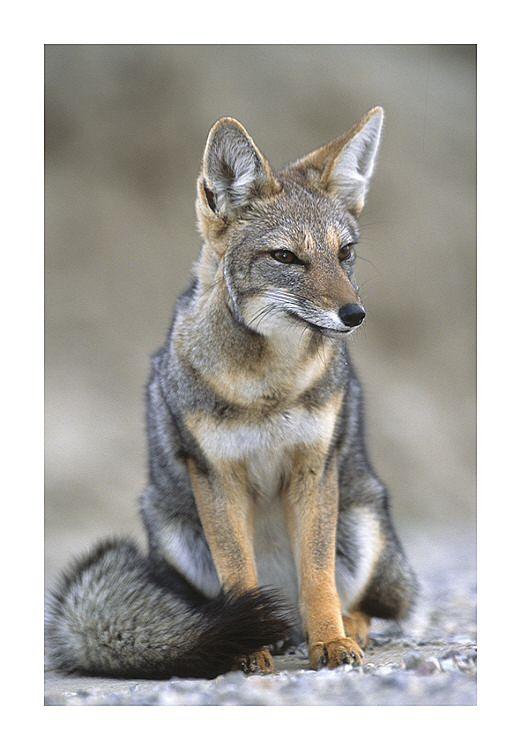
(264, 517)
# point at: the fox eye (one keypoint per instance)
(345, 252)
(284, 256)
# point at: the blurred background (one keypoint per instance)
(125, 131)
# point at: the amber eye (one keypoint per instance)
(284, 256)
(345, 252)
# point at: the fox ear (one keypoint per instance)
(346, 164)
(351, 170)
(234, 172)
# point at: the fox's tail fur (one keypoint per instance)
(110, 615)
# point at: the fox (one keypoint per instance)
(266, 523)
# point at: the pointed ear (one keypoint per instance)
(234, 172)
(346, 164)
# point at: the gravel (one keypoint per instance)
(429, 660)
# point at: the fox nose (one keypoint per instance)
(351, 315)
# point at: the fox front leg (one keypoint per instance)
(311, 503)
(226, 512)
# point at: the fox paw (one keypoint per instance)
(260, 662)
(334, 653)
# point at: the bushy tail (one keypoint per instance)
(110, 616)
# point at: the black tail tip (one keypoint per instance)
(239, 623)
(269, 617)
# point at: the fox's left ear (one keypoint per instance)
(346, 164)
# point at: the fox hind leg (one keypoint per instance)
(372, 573)
(392, 590)
(356, 626)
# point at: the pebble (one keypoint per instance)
(428, 666)
(412, 659)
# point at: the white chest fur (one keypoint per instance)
(262, 442)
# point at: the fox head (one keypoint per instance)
(282, 244)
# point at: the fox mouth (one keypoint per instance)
(322, 330)
(270, 315)
(331, 333)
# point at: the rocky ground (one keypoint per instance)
(431, 660)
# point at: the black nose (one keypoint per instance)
(351, 315)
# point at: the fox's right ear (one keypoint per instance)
(233, 173)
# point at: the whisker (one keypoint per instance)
(366, 260)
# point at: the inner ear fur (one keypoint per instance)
(344, 167)
(234, 173)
